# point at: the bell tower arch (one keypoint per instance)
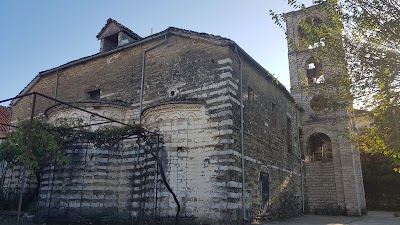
(331, 167)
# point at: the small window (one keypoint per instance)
(314, 71)
(110, 42)
(273, 113)
(273, 107)
(94, 95)
(250, 95)
(289, 134)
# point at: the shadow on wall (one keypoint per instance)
(284, 202)
(381, 183)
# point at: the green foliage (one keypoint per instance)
(361, 39)
(111, 136)
(383, 135)
(381, 183)
(31, 144)
(34, 144)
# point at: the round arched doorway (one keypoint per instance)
(319, 147)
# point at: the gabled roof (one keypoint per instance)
(215, 39)
(109, 23)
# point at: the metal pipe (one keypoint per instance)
(56, 87)
(301, 162)
(141, 103)
(242, 135)
(92, 124)
(16, 97)
(84, 110)
(156, 179)
(51, 190)
(100, 54)
(142, 77)
(8, 125)
(24, 172)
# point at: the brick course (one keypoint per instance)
(184, 68)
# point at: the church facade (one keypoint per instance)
(236, 145)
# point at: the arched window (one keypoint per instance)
(319, 147)
(314, 71)
(308, 33)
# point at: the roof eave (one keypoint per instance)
(176, 31)
(272, 79)
(85, 59)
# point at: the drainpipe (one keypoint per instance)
(143, 72)
(301, 164)
(141, 102)
(56, 86)
(242, 135)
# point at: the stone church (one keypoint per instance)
(236, 145)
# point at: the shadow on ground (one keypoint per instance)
(373, 218)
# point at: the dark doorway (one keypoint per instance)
(264, 177)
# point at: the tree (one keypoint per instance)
(32, 144)
(362, 39)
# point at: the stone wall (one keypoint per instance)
(202, 145)
(99, 183)
(320, 188)
(267, 110)
(10, 186)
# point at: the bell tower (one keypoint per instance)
(333, 182)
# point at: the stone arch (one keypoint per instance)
(173, 116)
(314, 20)
(264, 169)
(319, 147)
(315, 14)
(314, 71)
(74, 115)
(191, 117)
(150, 121)
(307, 132)
(160, 119)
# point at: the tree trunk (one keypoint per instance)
(32, 196)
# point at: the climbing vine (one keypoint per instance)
(34, 143)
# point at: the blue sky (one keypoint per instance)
(39, 35)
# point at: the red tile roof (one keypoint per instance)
(5, 114)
